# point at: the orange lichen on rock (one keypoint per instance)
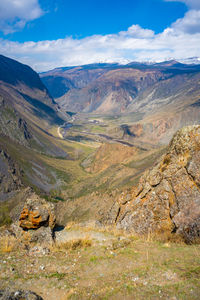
(36, 213)
(30, 219)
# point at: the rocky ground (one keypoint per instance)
(102, 265)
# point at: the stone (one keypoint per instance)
(41, 235)
(18, 295)
(171, 276)
(36, 213)
(113, 213)
(167, 198)
(38, 251)
(155, 177)
(36, 222)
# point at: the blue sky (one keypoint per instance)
(51, 33)
(81, 18)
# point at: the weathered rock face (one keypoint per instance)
(37, 213)
(168, 196)
(18, 295)
(37, 221)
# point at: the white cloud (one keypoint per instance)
(134, 44)
(14, 14)
(194, 4)
(190, 23)
(137, 32)
(180, 40)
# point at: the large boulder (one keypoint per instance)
(36, 221)
(36, 213)
(167, 198)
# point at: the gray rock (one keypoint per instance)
(18, 295)
(42, 235)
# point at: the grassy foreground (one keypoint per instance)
(126, 268)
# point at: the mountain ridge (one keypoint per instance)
(166, 93)
(96, 77)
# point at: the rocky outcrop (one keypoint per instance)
(18, 295)
(167, 198)
(36, 213)
(37, 220)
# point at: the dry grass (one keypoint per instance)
(7, 244)
(163, 237)
(72, 244)
(110, 229)
(70, 225)
(68, 294)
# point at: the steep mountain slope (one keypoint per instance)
(22, 87)
(60, 80)
(26, 112)
(110, 93)
(116, 89)
(15, 73)
(167, 106)
(10, 175)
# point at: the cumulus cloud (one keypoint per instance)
(135, 44)
(190, 23)
(194, 4)
(14, 14)
(137, 32)
(180, 40)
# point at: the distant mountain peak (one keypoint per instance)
(191, 60)
(168, 63)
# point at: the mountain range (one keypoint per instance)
(165, 94)
(115, 88)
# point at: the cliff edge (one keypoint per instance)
(167, 198)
